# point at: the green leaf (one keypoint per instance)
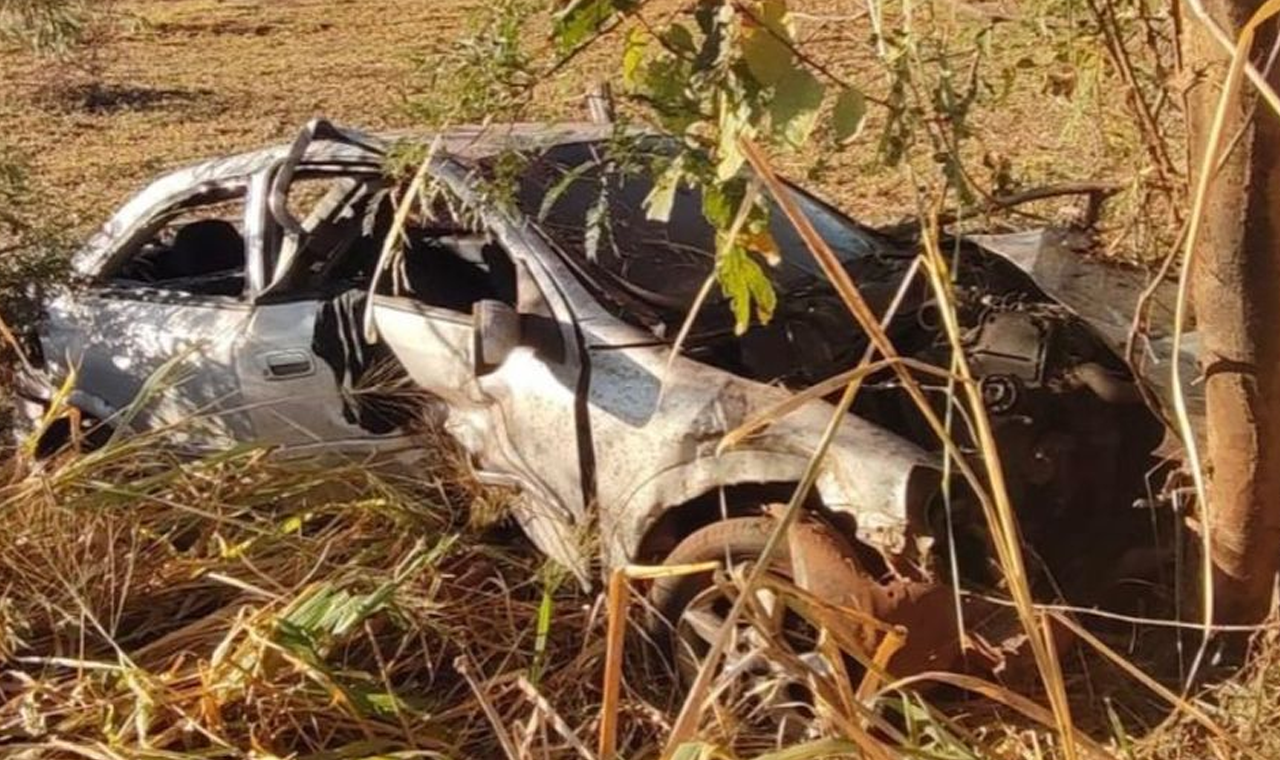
(598, 222)
(773, 14)
(679, 38)
(812, 750)
(744, 282)
(326, 614)
(730, 156)
(553, 576)
(720, 203)
(564, 183)
(794, 110)
(663, 82)
(581, 19)
(734, 123)
(697, 751)
(383, 704)
(765, 49)
(633, 60)
(848, 114)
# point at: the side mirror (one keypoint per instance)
(497, 331)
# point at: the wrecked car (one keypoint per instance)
(264, 280)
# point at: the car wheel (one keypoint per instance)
(772, 654)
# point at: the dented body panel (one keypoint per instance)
(615, 444)
(675, 430)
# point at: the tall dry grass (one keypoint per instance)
(238, 604)
(155, 605)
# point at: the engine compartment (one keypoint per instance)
(1076, 440)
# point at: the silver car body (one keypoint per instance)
(600, 441)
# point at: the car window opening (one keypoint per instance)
(345, 220)
(442, 263)
(452, 271)
(199, 250)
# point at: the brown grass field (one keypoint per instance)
(235, 607)
(197, 78)
(187, 79)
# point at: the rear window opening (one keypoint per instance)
(198, 249)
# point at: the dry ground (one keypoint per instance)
(186, 79)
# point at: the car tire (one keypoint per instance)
(833, 568)
(738, 539)
(687, 609)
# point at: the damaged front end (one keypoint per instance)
(1074, 436)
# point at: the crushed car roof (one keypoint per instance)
(467, 143)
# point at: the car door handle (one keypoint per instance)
(287, 364)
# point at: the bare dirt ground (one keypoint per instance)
(189, 79)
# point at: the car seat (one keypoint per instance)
(203, 247)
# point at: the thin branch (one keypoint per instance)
(1120, 58)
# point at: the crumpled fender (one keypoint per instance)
(884, 483)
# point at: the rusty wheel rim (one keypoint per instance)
(768, 661)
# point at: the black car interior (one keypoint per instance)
(197, 248)
(205, 257)
(454, 271)
(440, 263)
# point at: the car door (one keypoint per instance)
(309, 380)
(159, 324)
(519, 417)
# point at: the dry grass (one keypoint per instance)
(186, 79)
(234, 606)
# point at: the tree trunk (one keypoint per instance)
(1236, 290)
